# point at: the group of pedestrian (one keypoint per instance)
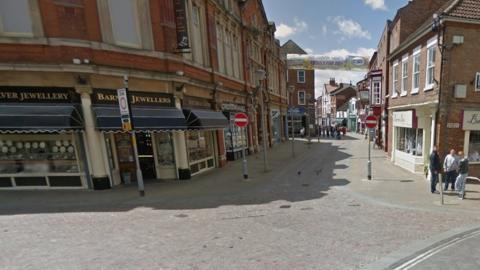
(455, 168)
(333, 132)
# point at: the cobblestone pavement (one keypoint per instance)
(304, 214)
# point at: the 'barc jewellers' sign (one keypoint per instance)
(471, 120)
(404, 119)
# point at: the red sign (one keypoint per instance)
(241, 120)
(371, 121)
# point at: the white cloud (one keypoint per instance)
(350, 28)
(284, 30)
(323, 76)
(324, 30)
(376, 4)
(309, 51)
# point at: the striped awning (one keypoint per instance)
(143, 118)
(205, 119)
(36, 118)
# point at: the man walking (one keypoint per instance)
(435, 167)
(450, 166)
(462, 175)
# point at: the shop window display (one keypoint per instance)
(200, 150)
(474, 147)
(165, 149)
(410, 141)
(38, 154)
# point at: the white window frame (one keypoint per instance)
(30, 34)
(404, 82)
(376, 95)
(304, 76)
(395, 79)
(304, 98)
(432, 43)
(466, 145)
(416, 57)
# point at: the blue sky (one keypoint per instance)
(332, 27)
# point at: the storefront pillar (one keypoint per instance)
(222, 157)
(93, 141)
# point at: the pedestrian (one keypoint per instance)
(462, 175)
(328, 132)
(435, 167)
(450, 166)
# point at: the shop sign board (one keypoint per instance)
(404, 119)
(29, 94)
(241, 120)
(107, 96)
(371, 121)
(471, 120)
(124, 111)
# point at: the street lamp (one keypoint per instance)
(291, 90)
(309, 97)
(261, 75)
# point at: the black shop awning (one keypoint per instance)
(143, 118)
(205, 119)
(18, 117)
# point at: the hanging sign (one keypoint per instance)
(183, 42)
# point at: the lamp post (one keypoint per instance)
(261, 75)
(291, 90)
(309, 96)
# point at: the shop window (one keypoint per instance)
(165, 149)
(200, 150)
(124, 19)
(15, 18)
(410, 141)
(31, 159)
(474, 147)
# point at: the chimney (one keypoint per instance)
(332, 82)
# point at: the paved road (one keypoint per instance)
(298, 216)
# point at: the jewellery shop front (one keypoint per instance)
(156, 121)
(41, 142)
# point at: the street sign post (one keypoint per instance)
(371, 123)
(241, 121)
(125, 109)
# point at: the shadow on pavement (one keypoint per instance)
(308, 176)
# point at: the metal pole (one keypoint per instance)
(369, 163)
(245, 167)
(293, 132)
(440, 178)
(141, 186)
(264, 131)
(308, 124)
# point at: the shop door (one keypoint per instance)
(145, 155)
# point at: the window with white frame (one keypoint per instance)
(431, 55)
(124, 19)
(395, 79)
(301, 76)
(197, 44)
(474, 147)
(236, 57)
(404, 75)
(301, 97)
(376, 93)
(15, 18)
(416, 71)
(228, 52)
(220, 51)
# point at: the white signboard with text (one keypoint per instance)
(403, 119)
(471, 120)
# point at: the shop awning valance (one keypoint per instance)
(143, 118)
(205, 119)
(17, 117)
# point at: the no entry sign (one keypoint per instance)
(241, 120)
(371, 121)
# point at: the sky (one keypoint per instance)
(332, 27)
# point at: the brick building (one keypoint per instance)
(325, 103)
(190, 66)
(434, 82)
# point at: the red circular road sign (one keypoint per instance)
(241, 120)
(371, 121)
